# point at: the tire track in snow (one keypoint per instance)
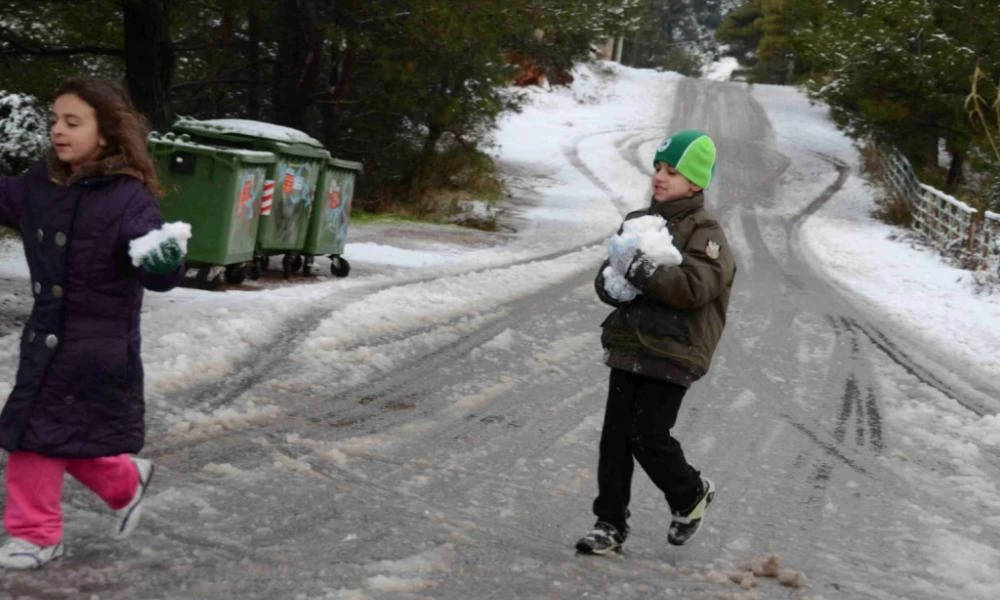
(404, 384)
(273, 357)
(878, 338)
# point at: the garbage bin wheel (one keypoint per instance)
(202, 279)
(339, 267)
(236, 273)
(297, 263)
(288, 265)
(307, 264)
(263, 262)
(253, 270)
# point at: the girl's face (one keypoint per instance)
(670, 185)
(74, 131)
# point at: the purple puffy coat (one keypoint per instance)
(79, 387)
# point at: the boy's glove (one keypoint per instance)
(642, 267)
(164, 258)
(621, 251)
(616, 286)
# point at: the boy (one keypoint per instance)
(658, 344)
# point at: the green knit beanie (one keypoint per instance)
(692, 153)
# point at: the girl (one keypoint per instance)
(77, 403)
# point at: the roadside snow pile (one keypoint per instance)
(478, 214)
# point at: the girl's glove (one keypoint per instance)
(161, 250)
(164, 258)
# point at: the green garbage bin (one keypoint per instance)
(218, 191)
(300, 161)
(327, 232)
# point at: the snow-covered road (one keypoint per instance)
(427, 427)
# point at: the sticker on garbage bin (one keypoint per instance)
(333, 196)
(337, 213)
(246, 195)
(297, 195)
(288, 183)
(267, 197)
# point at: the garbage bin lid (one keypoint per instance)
(346, 164)
(176, 142)
(247, 128)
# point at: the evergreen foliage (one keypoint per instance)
(395, 84)
(676, 35)
(900, 69)
(23, 132)
(388, 83)
(894, 69)
(771, 37)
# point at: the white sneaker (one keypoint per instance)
(128, 517)
(684, 525)
(18, 553)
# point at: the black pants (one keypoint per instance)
(637, 421)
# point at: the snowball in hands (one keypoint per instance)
(648, 235)
(150, 246)
(617, 286)
(654, 240)
(621, 251)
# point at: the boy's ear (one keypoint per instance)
(693, 189)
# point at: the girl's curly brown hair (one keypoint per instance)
(123, 127)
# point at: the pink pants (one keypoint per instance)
(34, 490)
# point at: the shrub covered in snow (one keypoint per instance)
(23, 131)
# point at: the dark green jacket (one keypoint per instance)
(670, 331)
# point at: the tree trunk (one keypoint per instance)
(338, 87)
(149, 57)
(253, 63)
(220, 61)
(419, 180)
(299, 55)
(921, 148)
(434, 133)
(955, 169)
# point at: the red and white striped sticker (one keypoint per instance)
(267, 197)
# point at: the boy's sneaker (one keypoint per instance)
(684, 526)
(128, 517)
(19, 553)
(603, 538)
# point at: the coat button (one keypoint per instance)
(37, 287)
(57, 291)
(41, 235)
(69, 399)
(51, 341)
(60, 239)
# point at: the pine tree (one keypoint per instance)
(770, 37)
(677, 35)
(899, 69)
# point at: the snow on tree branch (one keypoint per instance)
(23, 131)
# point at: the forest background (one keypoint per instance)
(413, 88)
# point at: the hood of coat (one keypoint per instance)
(674, 208)
(60, 174)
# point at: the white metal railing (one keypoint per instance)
(945, 220)
(989, 235)
(942, 218)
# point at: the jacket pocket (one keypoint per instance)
(653, 318)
